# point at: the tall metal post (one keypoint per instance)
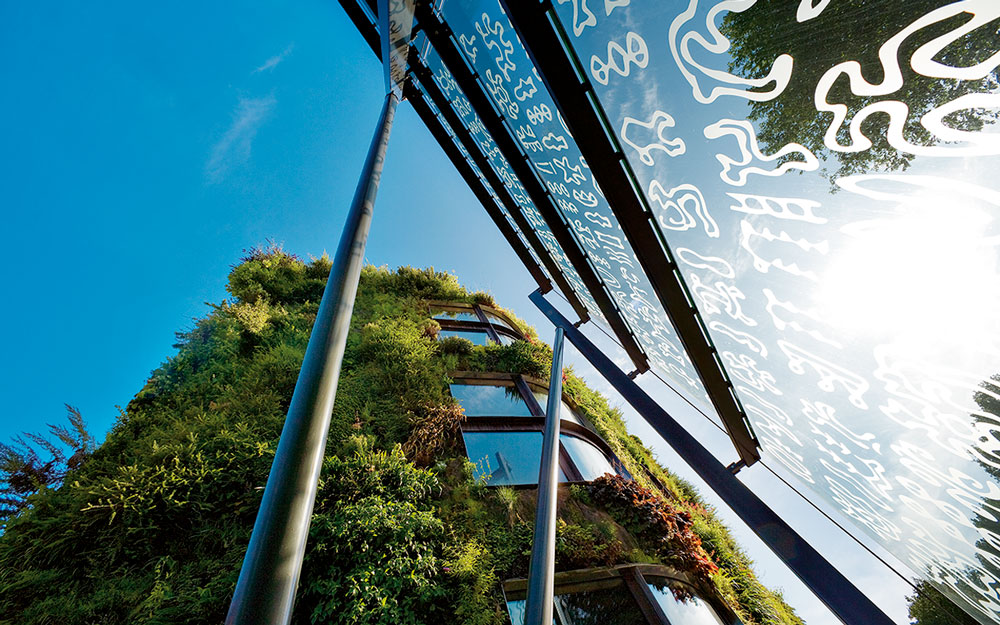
(541, 570)
(265, 592)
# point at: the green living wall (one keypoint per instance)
(151, 526)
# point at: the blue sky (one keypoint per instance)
(143, 147)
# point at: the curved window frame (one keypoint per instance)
(633, 578)
(535, 423)
(493, 329)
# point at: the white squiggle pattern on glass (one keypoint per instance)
(746, 141)
(620, 59)
(808, 9)
(673, 214)
(922, 62)
(582, 16)
(772, 306)
(718, 266)
(720, 297)
(657, 126)
(830, 375)
(680, 47)
(794, 209)
(511, 80)
(749, 234)
(745, 369)
(742, 338)
(918, 466)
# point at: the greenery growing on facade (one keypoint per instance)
(152, 526)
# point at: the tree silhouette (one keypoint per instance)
(854, 30)
(23, 471)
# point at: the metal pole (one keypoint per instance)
(538, 609)
(265, 591)
(843, 598)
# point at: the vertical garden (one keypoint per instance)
(151, 525)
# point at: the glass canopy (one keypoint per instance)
(820, 178)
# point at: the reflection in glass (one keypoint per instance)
(455, 315)
(691, 611)
(506, 458)
(490, 401)
(589, 460)
(565, 412)
(606, 606)
(506, 340)
(478, 337)
(497, 320)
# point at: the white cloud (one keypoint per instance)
(272, 62)
(234, 146)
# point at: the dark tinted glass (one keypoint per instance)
(608, 606)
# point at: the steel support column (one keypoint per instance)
(265, 591)
(842, 597)
(541, 570)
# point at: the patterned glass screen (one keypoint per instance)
(824, 172)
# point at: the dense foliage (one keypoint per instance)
(152, 527)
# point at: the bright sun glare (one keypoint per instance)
(927, 278)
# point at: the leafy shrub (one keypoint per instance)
(667, 530)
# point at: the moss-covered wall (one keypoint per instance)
(153, 526)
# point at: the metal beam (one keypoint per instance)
(364, 24)
(842, 597)
(416, 99)
(542, 567)
(542, 40)
(265, 591)
(440, 37)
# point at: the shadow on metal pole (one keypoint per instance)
(541, 571)
(265, 592)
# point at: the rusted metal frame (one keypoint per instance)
(431, 89)
(610, 168)
(440, 36)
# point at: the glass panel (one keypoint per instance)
(565, 412)
(508, 76)
(497, 320)
(452, 315)
(446, 82)
(825, 176)
(589, 460)
(506, 458)
(690, 611)
(490, 401)
(477, 337)
(607, 606)
(506, 340)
